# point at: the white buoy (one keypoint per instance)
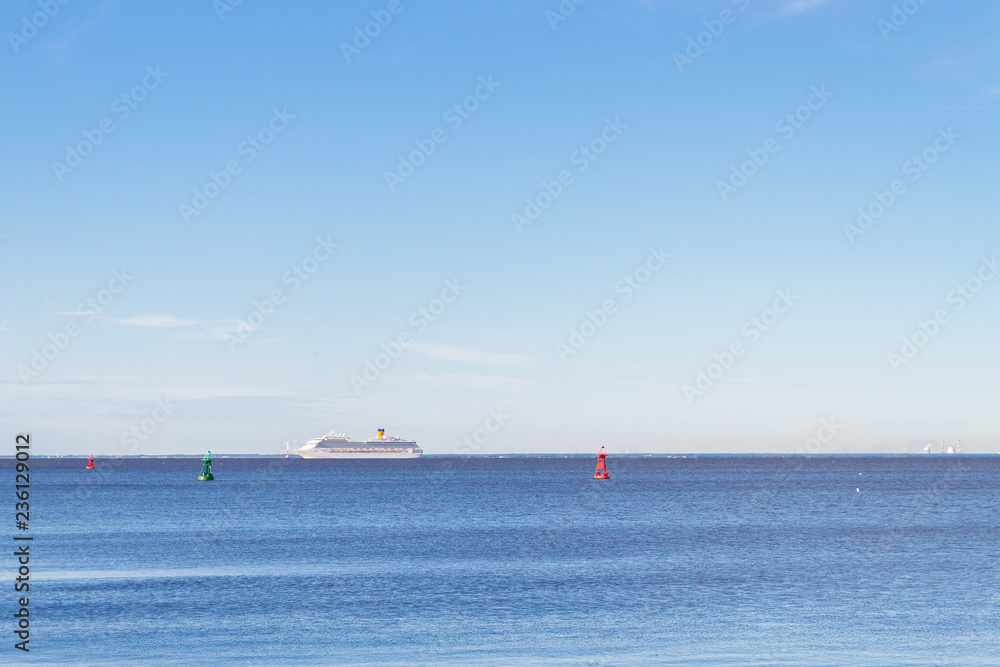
(857, 489)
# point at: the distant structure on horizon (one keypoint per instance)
(949, 450)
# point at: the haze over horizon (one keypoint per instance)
(666, 227)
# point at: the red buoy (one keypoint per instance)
(90, 463)
(602, 468)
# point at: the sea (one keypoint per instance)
(488, 561)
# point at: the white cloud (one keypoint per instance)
(154, 321)
(466, 356)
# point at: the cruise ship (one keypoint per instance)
(338, 446)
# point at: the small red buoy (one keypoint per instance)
(602, 468)
(90, 464)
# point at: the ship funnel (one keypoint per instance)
(381, 433)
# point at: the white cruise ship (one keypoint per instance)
(339, 446)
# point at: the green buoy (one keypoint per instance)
(206, 468)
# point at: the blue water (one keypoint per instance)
(696, 561)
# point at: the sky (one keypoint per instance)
(503, 227)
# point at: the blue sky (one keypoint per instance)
(645, 149)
